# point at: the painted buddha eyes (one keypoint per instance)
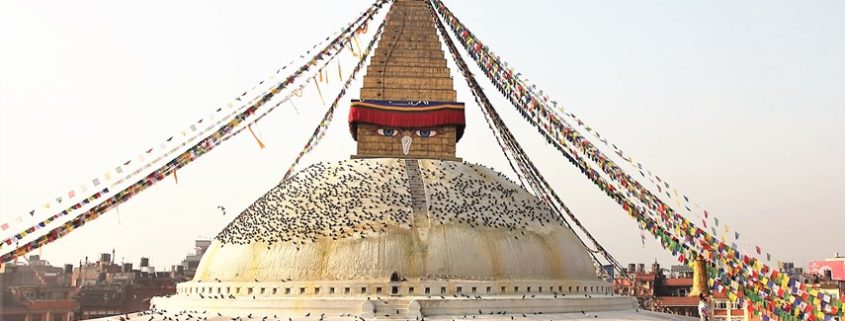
(426, 133)
(389, 132)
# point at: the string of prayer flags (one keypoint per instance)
(320, 131)
(221, 134)
(344, 34)
(636, 199)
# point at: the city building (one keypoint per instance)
(192, 261)
(672, 291)
(828, 276)
(36, 291)
(107, 288)
(829, 269)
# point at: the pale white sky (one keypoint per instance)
(740, 105)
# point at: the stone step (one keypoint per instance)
(417, 191)
(421, 30)
(408, 62)
(413, 25)
(399, 71)
(410, 55)
(413, 45)
(408, 94)
(388, 38)
(409, 83)
(390, 51)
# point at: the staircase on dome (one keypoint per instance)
(407, 107)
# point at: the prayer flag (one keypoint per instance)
(5, 226)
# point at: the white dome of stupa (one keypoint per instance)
(354, 220)
(336, 234)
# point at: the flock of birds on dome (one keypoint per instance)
(365, 197)
(194, 315)
(483, 200)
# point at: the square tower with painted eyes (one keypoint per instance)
(408, 106)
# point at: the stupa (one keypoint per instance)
(404, 229)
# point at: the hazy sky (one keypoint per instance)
(739, 104)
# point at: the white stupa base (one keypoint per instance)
(407, 307)
(621, 315)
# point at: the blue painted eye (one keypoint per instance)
(387, 132)
(426, 133)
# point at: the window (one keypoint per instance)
(570, 288)
(363, 290)
(346, 290)
(262, 290)
(237, 290)
(578, 288)
(411, 290)
(560, 288)
(275, 290)
(540, 289)
(427, 290)
(488, 289)
(378, 290)
(219, 290)
(473, 290)
(460, 289)
(516, 289)
(249, 291)
(442, 290)
(301, 290)
(287, 290)
(394, 290)
(316, 290)
(331, 290)
(228, 290)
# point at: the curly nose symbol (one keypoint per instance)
(406, 144)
